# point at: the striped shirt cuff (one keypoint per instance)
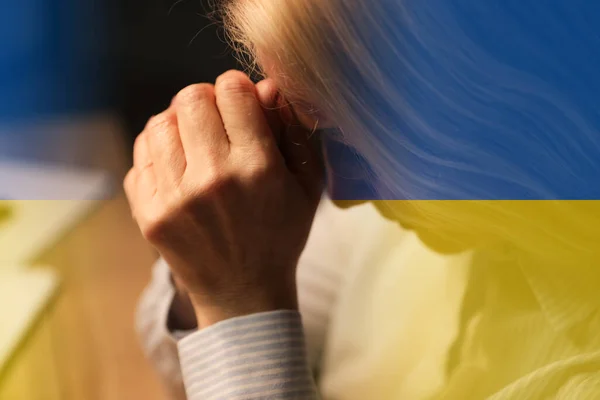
(260, 356)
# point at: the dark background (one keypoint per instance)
(62, 58)
(163, 46)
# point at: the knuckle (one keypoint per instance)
(162, 121)
(234, 82)
(261, 164)
(154, 227)
(178, 196)
(128, 180)
(151, 231)
(139, 140)
(139, 143)
(211, 173)
(195, 93)
(261, 171)
(214, 185)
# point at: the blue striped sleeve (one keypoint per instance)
(260, 356)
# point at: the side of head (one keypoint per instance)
(450, 100)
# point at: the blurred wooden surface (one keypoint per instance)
(85, 346)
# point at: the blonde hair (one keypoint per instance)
(417, 95)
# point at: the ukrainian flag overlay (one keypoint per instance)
(498, 136)
(4, 211)
(480, 134)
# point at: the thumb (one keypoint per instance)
(299, 147)
(268, 96)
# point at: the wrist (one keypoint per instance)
(211, 311)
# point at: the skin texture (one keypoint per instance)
(226, 192)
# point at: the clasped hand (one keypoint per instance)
(225, 187)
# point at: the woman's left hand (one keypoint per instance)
(212, 191)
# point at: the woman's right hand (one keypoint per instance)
(182, 316)
(226, 203)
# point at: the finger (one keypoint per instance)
(129, 185)
(142, 196)
(166, 150)
(145, 192)
(141, 152)
(269, 98)
(140, 190)
(241, 112)
(142, 159)
(200, 126)
(267, 94)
